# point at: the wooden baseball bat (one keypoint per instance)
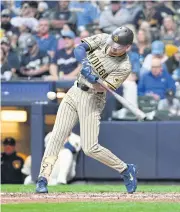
(136, 111)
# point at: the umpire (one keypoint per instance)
(11, 163)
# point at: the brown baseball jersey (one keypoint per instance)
(86, 107)
(112, 69)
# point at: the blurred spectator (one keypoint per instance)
(29, 9)
(97, 30)
(24, 32)
(143, 46)
(84, 34)
(8, 29)
(87, 13)
(169, 31)
(162, 11)
(136, 12)
(150, 13)
(42, 10)
(157, 51)
(115, 16)
(155, 12)
(30, 21)
(34, 62)
(45, 40)
(5, 22)
(64, 64)
(170, 103)
(61, 15)
(12, 57)
(145, 26)
(77, 40)
(34, 8)
(27, 14)
(135, 63)
(5, 68)
(11, 163)
(156, 82)
(173, 65)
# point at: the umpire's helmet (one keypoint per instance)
(123, 36)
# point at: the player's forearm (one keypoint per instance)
(53, 70)
(75, 72)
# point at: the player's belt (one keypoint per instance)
(84, 87)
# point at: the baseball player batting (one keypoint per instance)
(102, 57)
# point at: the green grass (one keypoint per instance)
(91, 188)
(93, 207)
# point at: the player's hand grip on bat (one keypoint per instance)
(81, 56)
(85, 63)
(87, 73)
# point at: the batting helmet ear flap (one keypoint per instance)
(123, 36)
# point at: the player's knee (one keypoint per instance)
(91, 150)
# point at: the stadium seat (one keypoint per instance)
(147, 103)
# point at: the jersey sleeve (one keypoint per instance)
(95, 41)
(117, 77)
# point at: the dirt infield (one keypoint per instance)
(84, 197)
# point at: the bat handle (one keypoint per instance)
(104, 86)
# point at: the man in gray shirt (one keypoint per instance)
(114, 17)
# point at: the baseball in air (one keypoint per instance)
(51, 95)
